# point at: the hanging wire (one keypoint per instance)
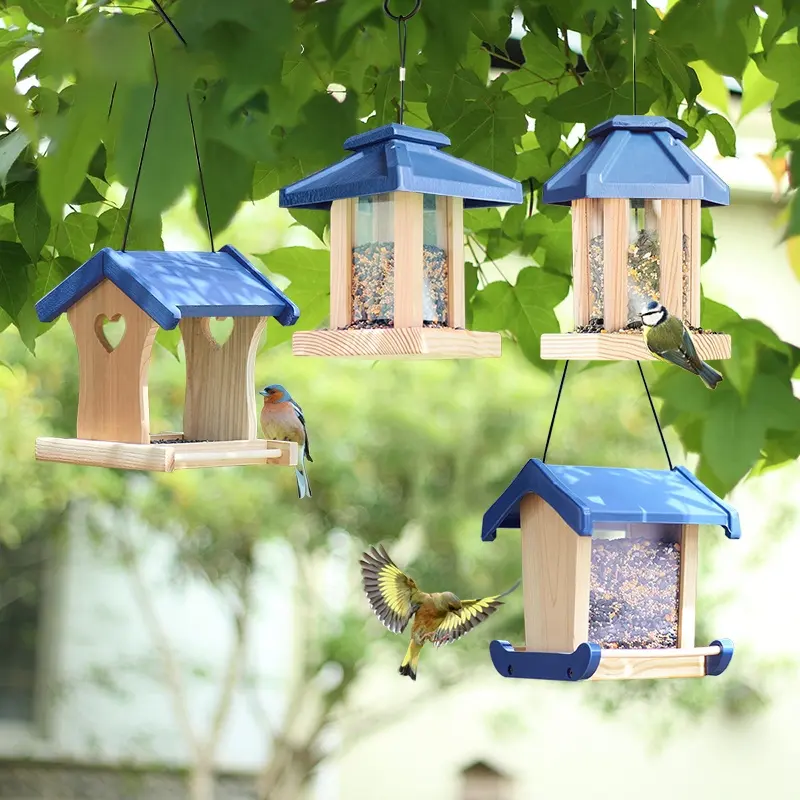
(402, 42)
(655, 415)
(633, 49)
(555, 411)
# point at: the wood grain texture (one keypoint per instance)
(615, 263)
(407, 259)
(166, 457)
(456, 300)
(581, 305)
(555, 579)
(426, 343)
(687, 591)
(342, 233)
(220, 380)
(670, 232)
(113, 400)
(692, 229)
(644, 664)
(623, 346)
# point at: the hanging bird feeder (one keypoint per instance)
(636, 191)
(397, 246)
(144, 291)
(609, 571)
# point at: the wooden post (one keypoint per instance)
(407, 259)
(456, 300)
(615, 263)
(342, 224)
(670, 234)
(581, 278)
(220, 380)
(113, 401)
(691, 229)
(556, 572)
(687, 591)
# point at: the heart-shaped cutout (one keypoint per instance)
(109, 332)
(220, 329)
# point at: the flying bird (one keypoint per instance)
(667, 338)
(439, 617)
(282, 420)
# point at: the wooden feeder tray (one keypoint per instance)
(427, 343)
(169, 454)
(623, 346)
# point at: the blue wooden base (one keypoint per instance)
(580, 665)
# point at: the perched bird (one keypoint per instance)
(667, 338)
(439, 617)
(282, 420)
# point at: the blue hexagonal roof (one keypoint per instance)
(637, 157)
(399, 158)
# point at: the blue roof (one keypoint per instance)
(399, 158)
(584, 496)
(169, 286)
(636, 157)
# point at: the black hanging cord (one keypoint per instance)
(655, 415)
(555, 411)
(633, 51)
(144, 146)
(402, 41)
(200, 174)
(163, 14)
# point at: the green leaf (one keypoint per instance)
(525, 309)
(32, 221)
(309, 273)
(595, 102)
(548, 133)
(228, 177)
(75, 235)
(170, 341)
(15, 279)
(313, 219)
(145, 234)
(723, 134)
(757, 90)
(791, 112)
(12, 145)
(793, 228)
(45, 13)
(266, 180)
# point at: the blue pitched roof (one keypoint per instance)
(583, 496)
(399, 158)
(637, 157)
(169, 286)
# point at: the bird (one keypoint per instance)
(667, 339)
(282, 420)
(439, 617)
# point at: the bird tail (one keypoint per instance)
(709, 375)
(303, 486)
(410, 660)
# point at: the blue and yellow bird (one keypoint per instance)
(439, 617)
(282, 420)
(667, 338)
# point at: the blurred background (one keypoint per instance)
(204, 634)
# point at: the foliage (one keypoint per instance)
(276, 88)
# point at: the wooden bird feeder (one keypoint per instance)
(609, 572)
(636, 191)
(397, 246)
(145, 291)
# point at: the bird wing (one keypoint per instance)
(471, 613)
(299, 412)
(388, 589)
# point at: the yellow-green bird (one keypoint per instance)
(439, 617)
(667, 338)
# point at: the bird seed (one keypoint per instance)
(633, 601)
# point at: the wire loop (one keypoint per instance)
(401, 17)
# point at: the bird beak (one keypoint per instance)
(264, 392)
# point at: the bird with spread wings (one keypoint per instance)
(439, 617)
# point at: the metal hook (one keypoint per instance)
(401, 17)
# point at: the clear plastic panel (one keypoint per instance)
(644, 257)
(434, 260)
(635, 579)
(373, 262)
(596, 261)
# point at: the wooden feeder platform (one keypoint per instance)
(623, 346)
(167, 454)
(427, 343)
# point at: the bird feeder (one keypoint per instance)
(609, 572)
(636, 191)
(144, 291)
(397, 246)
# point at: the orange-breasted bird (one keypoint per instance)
(439, 617)
(282, 420)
